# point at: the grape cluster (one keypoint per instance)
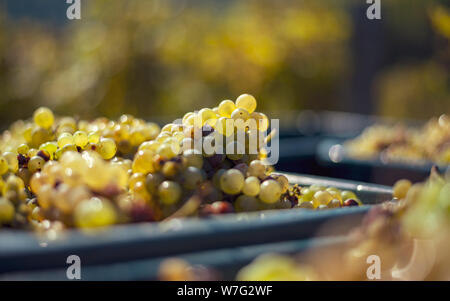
(322, 197)
(57, 172)
(400, 143)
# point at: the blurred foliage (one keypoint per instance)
(152, 58)
(163, 58)
(420, 89)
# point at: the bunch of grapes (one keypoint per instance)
(58, 172)
(399, 143)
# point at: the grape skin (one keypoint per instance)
(232, 182)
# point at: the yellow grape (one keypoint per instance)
(43, 117)
(247, 102)
(226, 107)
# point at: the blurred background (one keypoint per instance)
(158, 59)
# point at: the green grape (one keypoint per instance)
(316, 187)
(216, 177)
(207, 116)
(169, 192)
(226, 107)
(193, 176)
(282, 180)
(35, 164)
(94, 212)
(136, 177)
(39, 136)
(322, 198)
(65, 138)
(13, 183)
(232, 181)
(224, 126)
(143, 162)
(80, 138)
(93, 138)
(13, 163)
(240, 113)
(193, 158)
(150, 145)
(185, 118)
(3, 165)
(270, 191)
(400, 188)
(25, 175)
(107, 148)
(246, 203)
(168, 150)
(69, 147)
(257, 169)
(247, 102)
(334, 203)
(251, 186)
(50, 147)
(152, 182)
(346, 194)
(7, 211)
(23, 149)
(307, 194)
(306, 205)
(43, 117)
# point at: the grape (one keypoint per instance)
(69, 147)
(247, 102)
(152, 182)
(93, 138)
(246, 203)
(3, 165)
(140, 192)
(193, 157)
(400, 188)
(64, 139)
(150, 145)
(39, 136)
(192, 177)
(50, 147)
(240, 114)
(95, 212)
(334, 203)
(317, 187)
(307, 194)
(224, 126)
(232, 181)
(270, 191)
(226, 107)
(322, 198)
(107, 148)
(13, 183)
(43, 117)
(346, 194)
(168, 150)
(257, 169)
(207, 116)
(11, 158)
(143, 162)
(35, 164)
(216, 178)
(23, 149)
(80, 138)
(7, 211)
(251, 186)
(282, 180)
(169, 192)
